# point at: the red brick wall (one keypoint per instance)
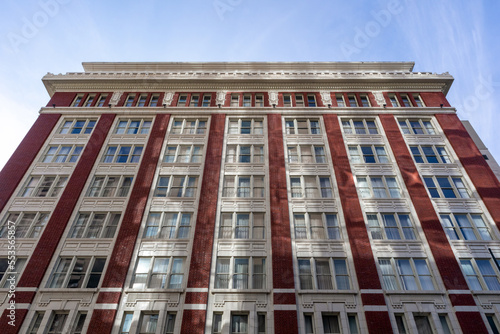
(23, 156)
(481, 175)
(285, 322)
(61, 99)
(434, 99)
(378, 322)
(101, 321)
(193, 321)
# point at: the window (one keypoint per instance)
(430, 154)
(217, 323)
(261, 323)
(130, 100)
(77, 272)
(195, 98)
(353, 323)
(154, 100)
(240, 273)
(245, 154)
(406, 100)
(352, 100)
(394, 101)
(465, 227)
(158, 273)
(78, 99)
(311, 100)
(259, 100)
(126, 323)
(406, 274)
(299, 100)
(101, 100)
(170, 327)
(110, 186)
(446, 187)
(27, 224)
(418, 100)
(492, 321)
(443, 319)
(62, 153)
(80, 321)
(340, 100)
(235, 100)
(365, 102)
(243, 186)
(416, 127)
(94, 225)
(481, 274)
(368, 154)
(330, 324)
(302, 126)
(57, 322)
(176, 186)
(122, 154)
(148, 323)
(90, 99)
(378, 187)
(247, 100)
(401, 323)
(316, 226)
(359, 126)
(309, 323)
(311, 186)
(35, 322)
(77, 126)
(182, 100)
(11, 268)
(189, 126)
(395, 226)
(44, 186)
(306, 154)
(168, 225)
(183, 154)
(133, 126)
(323, 274)
(142, 100)
(240, 225)
(245, 126)
(206, 100)
(239, 323)
(287, 100)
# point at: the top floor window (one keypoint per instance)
(154, 100)
(77, 126)
(206, 100)
(90, 99)
(352, 100)
(246, 126)
(78, 99)
(416, 127)
(311, 100)
(302, 126)
(247, 100)
(195, 98)
(299, 100)
(235, 100)
(259, 100)
(394, 100)
(182, 100)
(189, 126)
(101, 100)
(340, 100)
(406, 100)
(418, 100)
(130, 100)
(359, 126)
(287, 100)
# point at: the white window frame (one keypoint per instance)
(23, 225)
(306, 154)
(247, 100)
(148, 322)
(326, 318)
(359, 126)
(168, 225)
(191, 126)
(237, 152)
(243, 126)
(253, 279)
(166, 186)
(169, 276)
(239, 323)
(129, 101)
(35, 323)
(287, 100)
(41, 186)
(471, 227)
(94, 225)
(133, 156)
(394, 100)
(418, 100)
(484, 280)
(340, 100)
(133, 126)
(353, 101)
(259, 100)
(416, 126)
(170, 322)
(458, 191)
(78, 99)
(315, 278)
(183, 99)
(207, 99)
(311, 97)
(142, 100)
(301, 126)
(439, 152)
(406, 100)
(69, 271)
(365, 101)
(89, 100)
(316, 225)
(311, 186)
(101, 100)
(382, 227)
(53, 326)
(235, 100)
(79, 323)
(232, 225)
(194, 154)
(194, 100)
(367, 191)
(299, 100)
(77, 126)
(11, 268)
(256, 188)
(359, 154)
(62, 154)
(397, 277)
(110, 186)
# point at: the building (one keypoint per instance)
(280, 198)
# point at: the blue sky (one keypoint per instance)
(459, 37)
